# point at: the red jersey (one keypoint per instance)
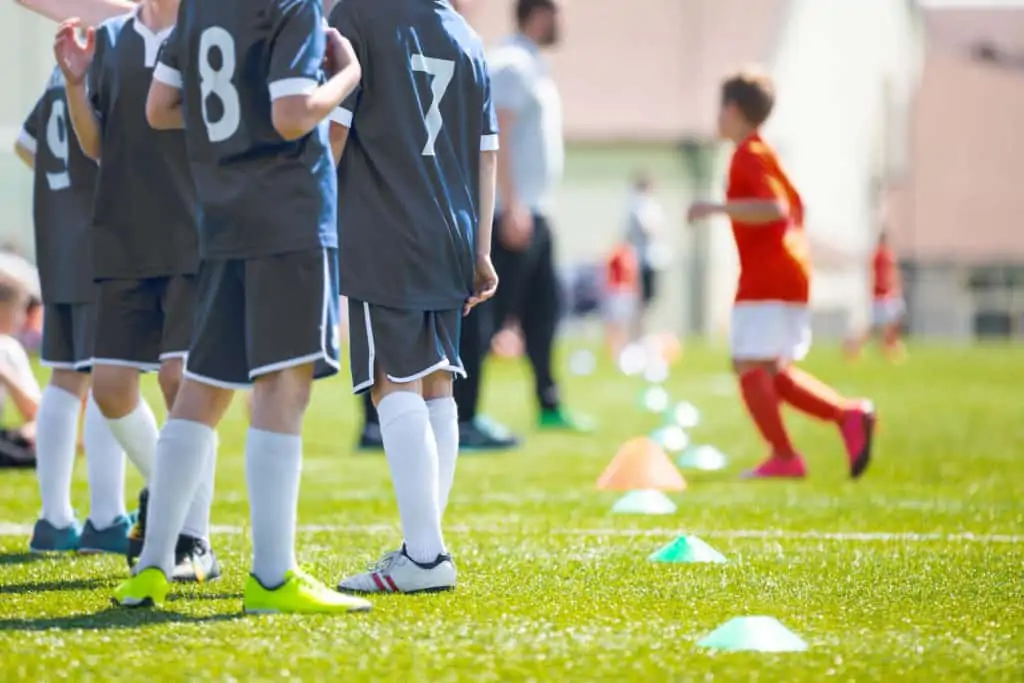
(623, 270)
(774, 260)
(885, 274)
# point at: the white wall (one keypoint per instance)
(832, 65)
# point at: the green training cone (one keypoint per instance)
(688, 549)
(672, 438)
(655, 399)
(753, 634)
(704, 458)
(644, 502)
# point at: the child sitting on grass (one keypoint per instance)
(17, 381)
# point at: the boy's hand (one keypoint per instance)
(515, 229)
(700, 210)
(73, 55)
(485, 283)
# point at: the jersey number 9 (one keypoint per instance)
(217, 82)
(57, 142)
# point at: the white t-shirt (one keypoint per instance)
(15, 363)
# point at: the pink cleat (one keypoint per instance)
(858, 430)
(778, 467)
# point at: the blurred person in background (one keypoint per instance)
(476, 431)
(17, 381)
(530, 166)
(645, 223)
(887, 305)
(622, 305)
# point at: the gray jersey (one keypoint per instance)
(261, 195)
(410, 176)
(522, 84)
(63, 185)
(145, 213)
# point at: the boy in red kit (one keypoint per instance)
(771, 317)
(887, 306)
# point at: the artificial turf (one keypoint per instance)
(916, 572)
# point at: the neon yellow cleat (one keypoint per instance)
(148, 588)
(299, 594)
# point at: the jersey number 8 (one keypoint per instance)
(218, 82)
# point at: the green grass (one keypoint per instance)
(555, 588)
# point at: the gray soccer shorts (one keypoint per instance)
(68, 336)
(142, 323)
(406, 345)
(262, 315)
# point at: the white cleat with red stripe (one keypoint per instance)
(396, 572)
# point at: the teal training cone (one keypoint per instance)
(684, 414)
(688, 549)
(753, 634)
(672, 438)
(645, 502)
(704, 458)
(654, 399)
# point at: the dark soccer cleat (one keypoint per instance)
(194, 561)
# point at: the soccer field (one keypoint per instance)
(916, 572)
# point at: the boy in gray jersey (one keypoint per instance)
(144, 244)
(64, 180)
(418, 146)
(244, 79)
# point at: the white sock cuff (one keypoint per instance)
(141, 409)
(61, 399)
(189, 430)
(398, 404)
(276, 441)
(443, 408)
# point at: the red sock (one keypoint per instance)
(763, 404)
(810, 395)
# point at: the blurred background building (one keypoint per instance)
(892, 104)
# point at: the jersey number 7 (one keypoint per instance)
(441, 72)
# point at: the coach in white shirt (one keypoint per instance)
(530, 165)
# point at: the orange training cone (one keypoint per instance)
(641, 464)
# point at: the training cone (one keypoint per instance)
(655, 399)
(672, 438)
(646, 502)
(688, 549)
(753, 634)
(704, 458)
(641, 464)
(684, 414)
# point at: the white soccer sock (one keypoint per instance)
(56, 432)
(444, 420)
(197, 521)
(411, 451)
(105, 459)
(183, 451)
(273, 468)
(137, 433)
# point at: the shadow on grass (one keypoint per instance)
(54, 586)
(20, 558)
(111, 619)
(202, 597)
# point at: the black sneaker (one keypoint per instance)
(194, 561)
(370, 439)
(482, 434)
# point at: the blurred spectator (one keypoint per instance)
(17, 381)
(645, 232)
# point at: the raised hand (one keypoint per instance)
(74, 56)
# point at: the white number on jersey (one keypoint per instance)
(219, 82)
(442, 71)
(57, 141)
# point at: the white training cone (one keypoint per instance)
(644, 503)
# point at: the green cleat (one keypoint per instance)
(148, 588)
(299, 594)
(557, 419)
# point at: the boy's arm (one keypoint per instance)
(83, 119)
(163, 104)
(91, 12)
(490, 162)
(299, 101)
(757, 199)
(343, 20)
(25, 145)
